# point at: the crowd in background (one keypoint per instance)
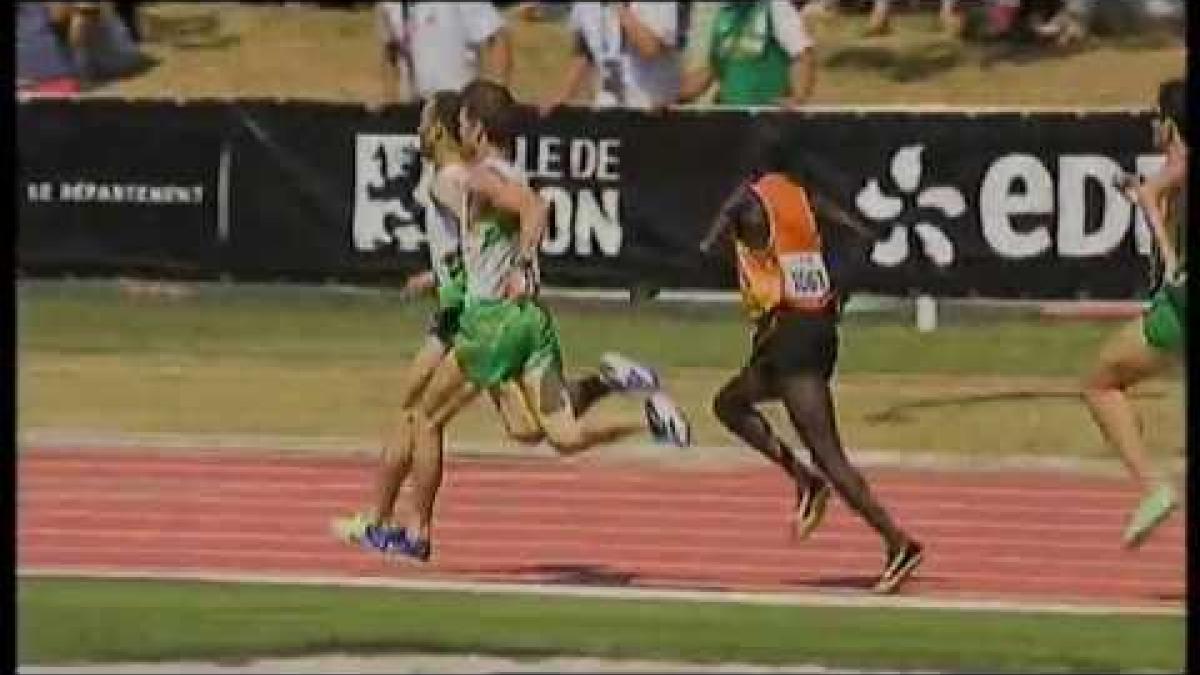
(61, 47)
(638, 54)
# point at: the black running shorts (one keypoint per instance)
(786, 343)
(443, 325)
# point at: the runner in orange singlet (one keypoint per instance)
(789, 295)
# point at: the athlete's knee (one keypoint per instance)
(729, 407)
(1100, 381)
(566, 441)
(526, 436)
(423, 422)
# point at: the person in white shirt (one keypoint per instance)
(633, 49)
(440, 46)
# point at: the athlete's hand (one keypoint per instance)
(515, 286)
(1130, 185)
(418, 283)
(1170, 266)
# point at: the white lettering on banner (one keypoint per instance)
(556, 240)
(115, 193)
(583, 158)
(548, 154)
(586, 219)
(1024, 209)
(999, 202)
(600, 225)
(40, 192)
(1075, 173)
(608, 160)
(1021, 185)
(591, 222)
(387, 170)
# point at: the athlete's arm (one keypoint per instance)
(519, 199)
(1150, 195)
(742, 213)
(419, 283)
(450, 190)
(834, 213)
(725, 217)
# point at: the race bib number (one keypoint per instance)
(805, 276)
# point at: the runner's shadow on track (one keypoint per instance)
(588, 575)
(900, 412)
(851, 583)
(847, 583)
(583, 575)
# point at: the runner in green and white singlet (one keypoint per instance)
(501, 337)
(505, 335)
(442, 193)
(1154, 341)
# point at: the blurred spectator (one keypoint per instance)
(62, 46)
(1076, 18)
(543, 11)
(881, 15)
(760, 53)
(633, 49)
(45, 65)
(128, 13)
(430, 46)
(100, 42)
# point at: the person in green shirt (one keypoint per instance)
(1154, 341)
(760, 54)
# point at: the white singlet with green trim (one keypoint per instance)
(442, 229)
(491, 241)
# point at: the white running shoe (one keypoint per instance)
(626, 375)
(666, 421)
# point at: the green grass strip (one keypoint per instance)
(314, 325)
(68, 620)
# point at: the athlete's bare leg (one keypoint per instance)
(734, 407)
(448, 392)
(1125, 359)
(550, 399)
(397, 455)
(540, 407)
(809, 403)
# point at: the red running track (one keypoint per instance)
(997, 535)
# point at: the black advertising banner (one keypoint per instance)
(112, 187)
(990, 204)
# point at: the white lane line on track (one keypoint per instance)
(539, 518)
(506, 483)
(694, 458)
(308, 448)
(810, 599)
(472, 503)
(777, 565)
(1098, 552)
(265, 460)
